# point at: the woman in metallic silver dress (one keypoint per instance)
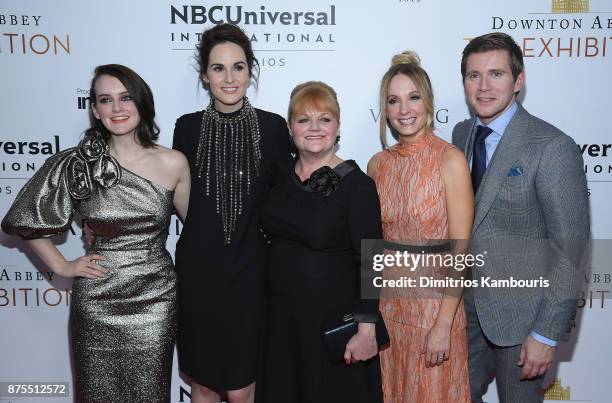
(123, 312)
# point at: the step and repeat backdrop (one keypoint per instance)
(48, 51)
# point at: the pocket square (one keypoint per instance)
(515, 171)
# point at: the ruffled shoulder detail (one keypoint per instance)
(46, 204)
(91, 163)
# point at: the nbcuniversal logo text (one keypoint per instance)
(237, 15)
(299, 29)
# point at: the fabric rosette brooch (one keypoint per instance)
(92, 162)
(324, 180)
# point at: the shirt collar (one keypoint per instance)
(500, 124)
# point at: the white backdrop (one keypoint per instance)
(49, 49)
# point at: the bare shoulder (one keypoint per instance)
(454, 161)
(456, 174)
(170, 159)
(373, 163)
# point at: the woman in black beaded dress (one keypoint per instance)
(231, 148)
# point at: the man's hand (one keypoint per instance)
(536, 358)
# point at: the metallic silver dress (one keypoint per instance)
(123, 325)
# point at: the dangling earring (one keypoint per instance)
(337, 139)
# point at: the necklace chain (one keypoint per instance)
(237, 160)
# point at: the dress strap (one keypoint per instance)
(346, 167)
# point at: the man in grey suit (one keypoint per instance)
(531, 216)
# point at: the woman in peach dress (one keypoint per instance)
(426, 198)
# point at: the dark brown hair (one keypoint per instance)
(147, 130)
(224, 33)
(495, 41)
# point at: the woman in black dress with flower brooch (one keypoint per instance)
(315, 217)
(220, 256)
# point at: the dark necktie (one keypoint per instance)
(479, 156)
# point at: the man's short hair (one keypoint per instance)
(495, 41)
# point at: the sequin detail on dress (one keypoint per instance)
(123, 325)
(233, 141)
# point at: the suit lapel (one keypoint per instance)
(469, 140)
(508, 151)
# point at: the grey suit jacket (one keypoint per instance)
(532, 223)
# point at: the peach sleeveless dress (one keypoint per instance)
(413, 206)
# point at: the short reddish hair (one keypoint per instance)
(313, 95)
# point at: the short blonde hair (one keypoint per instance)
(313, 95)
(407, 63)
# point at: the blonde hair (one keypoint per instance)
(313, 95)
(407, 63)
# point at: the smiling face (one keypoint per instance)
(490, 88)
(406, 110)
(228, 76)
(115, 107)
(314, 132)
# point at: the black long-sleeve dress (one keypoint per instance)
(220, 286)
(313, 280)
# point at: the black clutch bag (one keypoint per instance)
(336, 338)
